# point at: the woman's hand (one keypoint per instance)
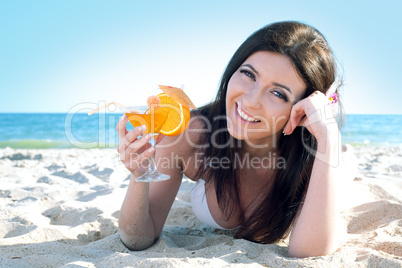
(134, 152)
(315, 113)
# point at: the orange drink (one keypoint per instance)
(153, 121)
(168, 114)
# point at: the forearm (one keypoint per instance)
(136, 226)
(317, 226)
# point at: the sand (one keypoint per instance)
(59, 208)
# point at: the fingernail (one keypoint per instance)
(146, 137)
(150, 150)
(142, 128)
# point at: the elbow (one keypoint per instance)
(314, 251)
(310, 253)
(315, 246)
(135, 242)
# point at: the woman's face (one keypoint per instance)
(260, 96)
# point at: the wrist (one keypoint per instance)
(330, 134)
(330, 141)
(329, 148)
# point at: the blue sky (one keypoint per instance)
(59, 56)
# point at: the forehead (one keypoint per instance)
(277, 68)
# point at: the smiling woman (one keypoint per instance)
(274, 70)
(260, 96)
(275, 83)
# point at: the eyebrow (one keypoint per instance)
(276, 84)
(285, 87)
(251, 67)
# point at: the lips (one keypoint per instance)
(244, 116)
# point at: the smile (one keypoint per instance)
(244, 116)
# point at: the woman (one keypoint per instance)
(264, 153)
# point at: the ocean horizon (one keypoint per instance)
(78, 130)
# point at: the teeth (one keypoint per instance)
(244, 116)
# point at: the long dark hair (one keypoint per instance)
(313, 59)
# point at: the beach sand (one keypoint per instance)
(59, 208)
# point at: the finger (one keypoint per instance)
(297, 119)
(121, 126)
(133, 163)
(130, 137)
(145, 155)
(135, 149)
(138, 163)
(138, 144)
(296, 114)
(142, 162)
(287, 127)
(303, 122)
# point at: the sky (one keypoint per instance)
(70, 56)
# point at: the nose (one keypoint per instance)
(252, 99)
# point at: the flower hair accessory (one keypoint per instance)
(331, 95)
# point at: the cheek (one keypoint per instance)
(227, 99)
(230, 89)
(280, 118)
(231, 93)
(236, 85)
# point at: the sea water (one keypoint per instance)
(53, 130)
(56, 130)
(372, 129)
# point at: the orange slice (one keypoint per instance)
(178, 116)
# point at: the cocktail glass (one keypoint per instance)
(153, 120)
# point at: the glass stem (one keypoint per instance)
(152, 162)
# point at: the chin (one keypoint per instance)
(236, 135)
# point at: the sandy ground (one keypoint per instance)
(59, 208)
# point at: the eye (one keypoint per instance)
(280, 95)
(248, 73)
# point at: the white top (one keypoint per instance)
(200, 205)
